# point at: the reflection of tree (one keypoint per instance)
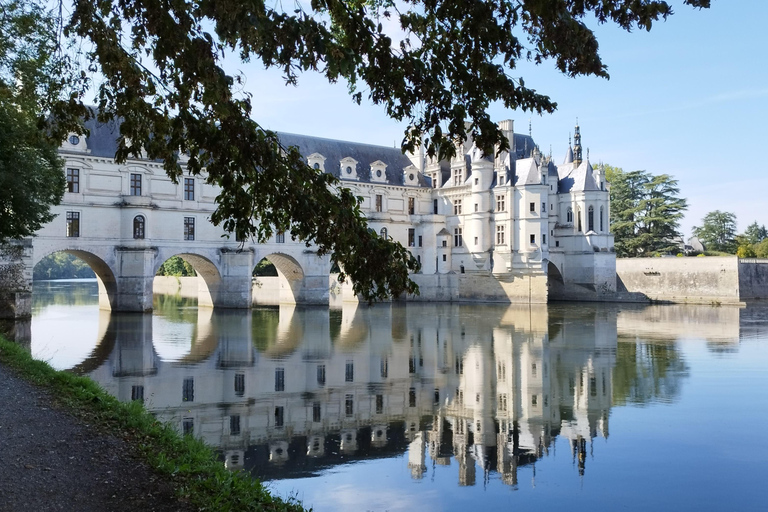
(264, 331)
(646, 372)
(61, 293)
(175, 308)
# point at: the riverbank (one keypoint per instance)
(67, 445)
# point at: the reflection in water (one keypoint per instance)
(292, 391)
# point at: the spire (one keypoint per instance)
(577, 144)
(530, 132)
(569, 154)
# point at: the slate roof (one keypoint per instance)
(365, 154)
(579, 179)
(527, 173)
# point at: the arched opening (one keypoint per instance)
(578, 219)
(555, 282)
(590, 219)
(188, 276)
(278, 279)
(602, 227)
(78, 268)
(139, 227)
(569, 215)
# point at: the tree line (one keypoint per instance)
(646, 211)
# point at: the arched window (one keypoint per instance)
(569, 215)
(138, 227)
(590, 219)
(601, 219)
(578, 218)
(383, 233)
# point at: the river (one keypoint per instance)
(443, 407)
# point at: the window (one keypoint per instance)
(533, 239)
(500, 235)
(557, 243)
(501, 203)
(135, 184)
(533, 207)
(503, 402)
(137, 393)
(477, 181)
(458, 177)
(578, 218)
(138, 227)
(543, 238)
(477, 207)
(279, 417)
(379, 404)
(476, 241)
(457, 207)
(383, 233)
(420, 241)
(234, 425)
(349, 371)
(601, 219)
(434, 206)
(411, 205)
(316, 412)
(239, 384)
(437, 396)
(73, 224)
(569, 215)
(384, 367)
(534, 370)
(73, 180)
(74, 140)
(188, 390)
(535, 400)
(280, 237)
(349, 402)
(379, 202)
(543, 207)
(189, 189)
(321, 375)
(590, 219)
(279, 379)
(189, 228)
(412, 397)
(592, 386)
(411, 237)
(458, 240)
(188, 426)
(445, 258)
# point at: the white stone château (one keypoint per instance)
(510, 228)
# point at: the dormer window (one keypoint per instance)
(411, 176)
(74, 140)
(348, 167)
(378, 172)
(316, 161)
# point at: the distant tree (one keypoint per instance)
(61, 265)
(761, 249)
(176, 266)
(645, 212)
(264, 268)
(718, 232)
(755, 233)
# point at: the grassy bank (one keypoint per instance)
(191, 466)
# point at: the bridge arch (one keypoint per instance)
(208, 275)
(105, 275)
(287, 287)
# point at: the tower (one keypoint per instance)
(577, 145)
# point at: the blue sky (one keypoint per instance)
(689, 99)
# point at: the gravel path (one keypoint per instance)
(50, 460)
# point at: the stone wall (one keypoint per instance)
(703, 280)
(753, 279)
(16, 279)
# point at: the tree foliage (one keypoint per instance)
(718, 232)
(645, 212)
(444, 64)
(31, 179)
(61, 265)
(176, 266)
(755, 233)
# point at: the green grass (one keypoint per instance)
(192, 467)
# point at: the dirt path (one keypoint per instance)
(50, 460)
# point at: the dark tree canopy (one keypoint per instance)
(646, 211)
(161, 63)
(718, 232)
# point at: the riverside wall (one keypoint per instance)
(706, 280)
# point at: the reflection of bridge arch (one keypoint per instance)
(105, 276)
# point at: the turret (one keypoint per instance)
(577, 146)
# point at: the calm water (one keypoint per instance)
(446, 407)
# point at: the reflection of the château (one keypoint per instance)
(288, 392)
